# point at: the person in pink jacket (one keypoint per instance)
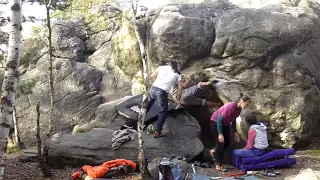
(257, 143)
(220, 126)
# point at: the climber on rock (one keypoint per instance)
(195, 95)
(164, 78)
(220, 126)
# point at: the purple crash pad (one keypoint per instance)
(270, 164)
(274, 154)
(273, 159)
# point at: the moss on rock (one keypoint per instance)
(138, 81)
(125, 48)
(12, 147)
(25, 87)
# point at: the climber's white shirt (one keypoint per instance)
(166, 78)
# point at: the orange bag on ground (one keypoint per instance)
(102, 170)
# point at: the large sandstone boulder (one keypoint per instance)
(68, 39)
(85, 75)
(271, 63)
(183, 31)
(115, 83)
(106, 116)
(77, 87)
(267, 53)
(263, 3)
(94, 147)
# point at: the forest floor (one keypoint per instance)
(16, 170)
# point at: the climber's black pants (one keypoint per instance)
(157, 94)
(220, 147)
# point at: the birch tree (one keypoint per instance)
(145, 72)
(11, 75)
(4, 38)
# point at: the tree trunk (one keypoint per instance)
(45, 167)
(20, 145)
(38, 135)
(144, 104)
(11, 75)
(50, 52)
(42, 157)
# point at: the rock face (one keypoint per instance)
(94, 147)
(106, 116)
(271, 62)
(269, 53)
(75, 83)
(169, 34)
(85, 76)
(274, 63)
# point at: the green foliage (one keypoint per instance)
(96, 20)
(12, 146)
(77, 9)
(30, 50)
(3, 21)
(37, 30)
(25, 87)
(3, 37)
(1, 77)
(25, 59)
(1, 58)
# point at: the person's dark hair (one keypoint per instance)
(251, 119)
(215, 81)
(244, 98)
(174, 65)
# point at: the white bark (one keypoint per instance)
(11, 75)
(142, 114)
(15, 123)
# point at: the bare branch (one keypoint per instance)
(41, 55)
(57, 56)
